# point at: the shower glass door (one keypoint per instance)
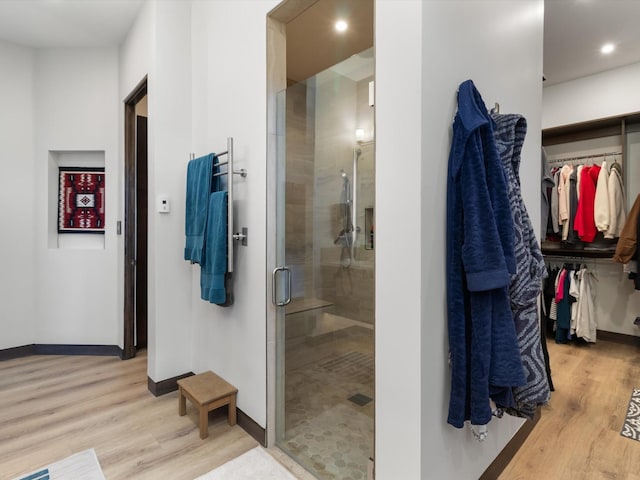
(326, 246)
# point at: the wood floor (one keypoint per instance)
(54, 406)
(578, 435)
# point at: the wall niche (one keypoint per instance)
(92, 161)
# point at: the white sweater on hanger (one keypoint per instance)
(601, 207)
(586, 325)
(617, 205)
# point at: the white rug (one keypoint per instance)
(256, 464)
(83, 465)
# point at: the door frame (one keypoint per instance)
(129, 350)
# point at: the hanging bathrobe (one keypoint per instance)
(484, 354)
(526, 284)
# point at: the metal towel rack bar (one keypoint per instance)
(230, 188)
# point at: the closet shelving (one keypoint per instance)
(583, 131)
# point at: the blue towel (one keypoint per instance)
(214, 265)
(199, 185)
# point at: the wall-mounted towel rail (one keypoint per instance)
(207, 233)
(243, 173)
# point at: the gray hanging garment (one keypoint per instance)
(526, 284)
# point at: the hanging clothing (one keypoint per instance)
(563, 208)
(485, 360)
(585, 222)
(626, 247)
(572, 235)
(578, 177)
(563, 323)
(617, 203)
(574, 292)
(554, 203)
(601, 202)
(547, 187)
(526, 284)
(586, 325)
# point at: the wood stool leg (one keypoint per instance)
(204, 422)
(182, 403)
(232, 410)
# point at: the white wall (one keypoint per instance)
(170, 103)
(159, 46)
(76, 109)
(606, 94)
(204, 60)
(17, 242)
(442, 43)
(229, 74)
(137, 60)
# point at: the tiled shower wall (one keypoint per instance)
(322, 116)
(341, 108)
(300, 139)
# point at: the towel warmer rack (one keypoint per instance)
(231, 237)
(243, 173)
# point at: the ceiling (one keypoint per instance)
(573, 34)
(313, 45)
(67, 23)
(574, 31)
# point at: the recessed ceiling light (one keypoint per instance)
(607, 48)
(341, 26)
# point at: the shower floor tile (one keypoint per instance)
(325, 431)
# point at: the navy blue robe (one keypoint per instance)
(485, 358)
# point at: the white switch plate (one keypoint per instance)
(164, 206)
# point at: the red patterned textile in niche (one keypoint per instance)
(81, 200)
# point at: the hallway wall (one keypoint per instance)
(17, 242)
(55, 100)
(166, 59)
(229, 99)
(75, 110)
(202, 61)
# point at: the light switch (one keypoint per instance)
(164, 206)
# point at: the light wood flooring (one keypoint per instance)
(578, 435)
(54, 406)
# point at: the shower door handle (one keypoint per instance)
(274, 276)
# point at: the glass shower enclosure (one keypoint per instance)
(325, 283)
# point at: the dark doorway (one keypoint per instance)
(135, 223)
(141, 231)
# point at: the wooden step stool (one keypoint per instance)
(207, 391)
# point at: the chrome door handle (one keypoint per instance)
(274, 275)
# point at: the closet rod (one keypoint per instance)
(550, 258)
(583, 157)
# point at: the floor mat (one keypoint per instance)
(252, 465)
(83, 465)
(631, 427)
